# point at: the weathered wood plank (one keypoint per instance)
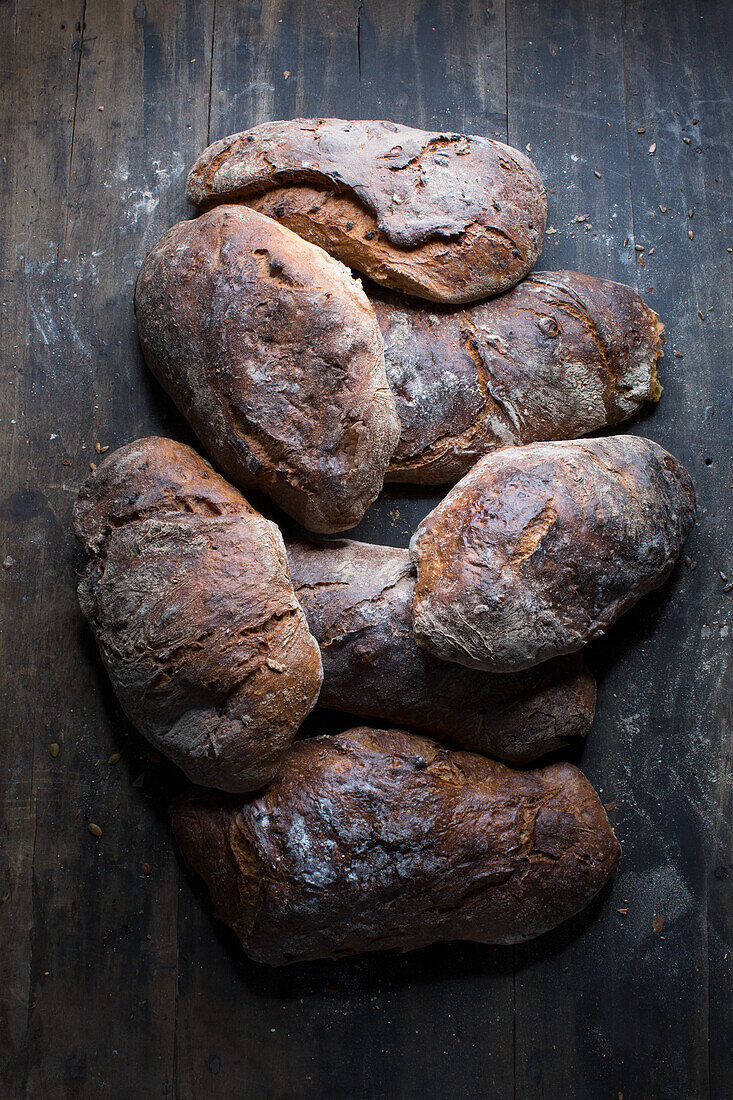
(103, 954)
(38, 71)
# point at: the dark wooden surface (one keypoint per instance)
(114, 978)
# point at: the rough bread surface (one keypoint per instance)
(448, 217)
(189, 597)
(272, 351)
(380, 839)
(558, 356)
(540, 548)
(357, 599)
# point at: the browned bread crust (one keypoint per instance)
(380, 839)
(540, 548)
(271, 350)
(189, 597)
(448, 217)
(357, 599)
(559, 356)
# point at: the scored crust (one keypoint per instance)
(448, 217)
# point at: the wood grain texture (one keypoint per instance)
(601, 1007)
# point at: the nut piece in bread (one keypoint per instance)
(540, 548)
(379, 839)
(559, 356)
(448, 217)
(271, 350)
(357, 599)
(189, 597)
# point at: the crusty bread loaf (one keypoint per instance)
(189, 598)
(540, 548)
(379, 839)
(559, 356)
(357, 599)
(448, 217)
(271, 350)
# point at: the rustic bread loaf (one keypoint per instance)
(380, 839)
(189, 598)
(559, 356)
(540, 548)
(448, 217)
(271, 350)
(357, 599)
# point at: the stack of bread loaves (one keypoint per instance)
(220, 638)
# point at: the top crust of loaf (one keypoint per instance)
(450, 217)
(559, 356)
(272, 351)
(539, 549)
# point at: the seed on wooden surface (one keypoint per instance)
(639, 247)
(678, 355)
(641, 129)
(690, 234)
(701, 315)
(652, 251)
(626, 241)
(286, 74)
(115, 758)
(65, 461)
(92, 466)
(94, 829)
(642, 261)
(54, 748)
(690, 213)
(663, 209)
(687, 140)
(652, 148)
(597, 174)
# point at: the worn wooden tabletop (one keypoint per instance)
(115, 979)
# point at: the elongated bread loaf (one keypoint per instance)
(540, 548)
(448, 217)
(271, 350)
(379, 839)
(357, 599)
(558, 356)
(189, 598)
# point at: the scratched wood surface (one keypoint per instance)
(115, 978)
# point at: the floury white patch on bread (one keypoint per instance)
(272, 351)
(540, 548)
(448, 217)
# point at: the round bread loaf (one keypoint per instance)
(271, 350)
(448, 217)
(189, 598)
(540, 548)
(379, 839)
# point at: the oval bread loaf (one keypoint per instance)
(378, 839)
(357, 599)
(558, 356)
(449, 217)
(189, 597)
(540, 548)
(271, 350)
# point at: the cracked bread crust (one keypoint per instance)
(357, 599)
(271, 350)
(189, 597)
(559, 356)
(539, 549)
(378, 839)
(447, 217)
